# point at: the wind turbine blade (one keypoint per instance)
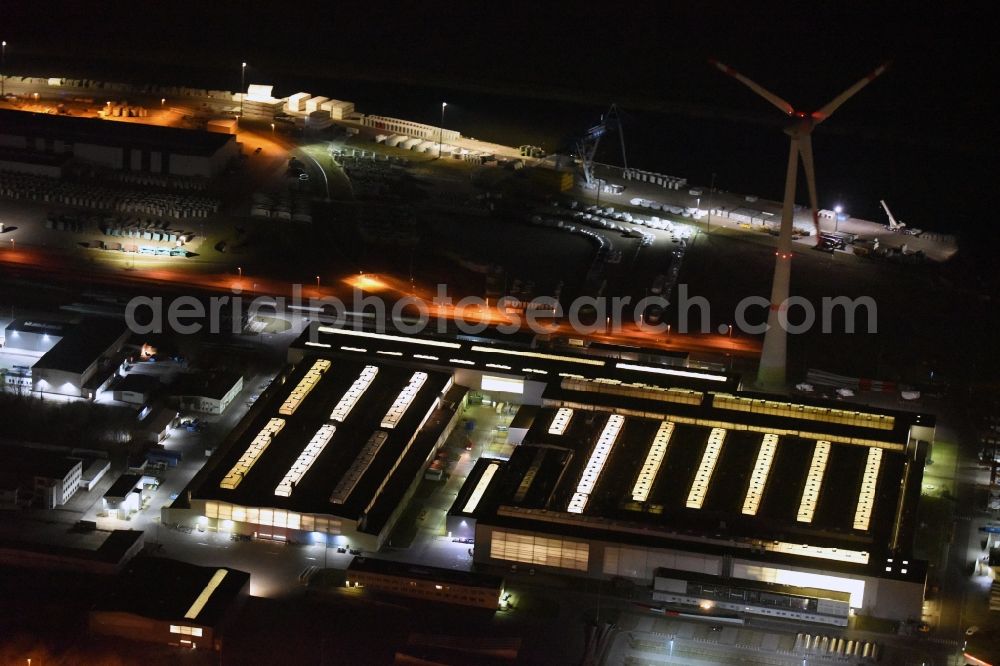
(834, 104)
(763, 92)
(805, 149)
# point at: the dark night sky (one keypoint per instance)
(933, 105)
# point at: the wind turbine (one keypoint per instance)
(771, 372)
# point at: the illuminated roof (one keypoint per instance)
(354, 393)
(539, 355)
(491, 349)
(866, 498)
(175, 592)
(804, 550)
(598, 457)
(560, 421)
(632, 390)
(390, 338)
(305, 460)
(304, 387)
(312, 455)
(758, 478)
(676, 372)
(699, 487)
(814, 482)
(403, 400)
(742, 491)
(800, 411)
(654, 458)
(206, 594)
(480, 489)
(252, 454)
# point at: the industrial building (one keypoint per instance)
(164, 601)
(95, 551)
(80, 363)
(124, 497)
(428, 583)
(206, 392)
(331, 457)
(624, 463)
(584, 492)
(33, 335)
(732, 489)
(135, 388)
(38, 477)
(25, 136)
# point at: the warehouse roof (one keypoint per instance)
(422, 572)
(212, 385)
(25, 463)
(544, 481)
(107, 132)
(164, 589)
(82, 345)
(136, 382)
(340, 453)
(123, 486)
(55, 328)
(511, 355)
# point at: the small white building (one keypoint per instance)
(207, 392)
(124, 497)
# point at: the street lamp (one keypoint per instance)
(272, 128)
(239, 269)
(708, 204)
(441, 129)
(838, 209)
(317, 280)
(243, 86)
(3, 62)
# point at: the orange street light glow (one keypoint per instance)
(366, 282)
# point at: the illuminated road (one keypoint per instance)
(63, 267)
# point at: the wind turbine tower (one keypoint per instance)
(771, 372)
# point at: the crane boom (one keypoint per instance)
(893, 224)
(586, 146)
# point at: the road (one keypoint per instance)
(61, 266)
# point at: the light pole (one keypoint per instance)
(317, 280)
(3, 63)
(708, 203)
(243, 86)
(837, 210)
(441, 129)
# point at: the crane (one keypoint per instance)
(586, 146)
(893, 224)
